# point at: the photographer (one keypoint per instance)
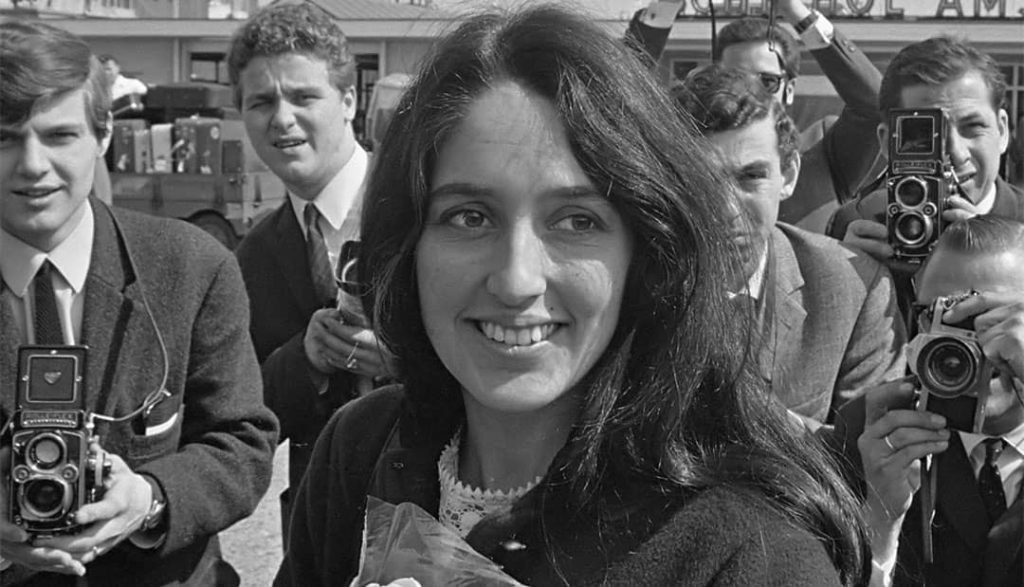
(169, 373)
(976, 530)
(950, 74)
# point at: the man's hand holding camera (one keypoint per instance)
(126, 501)
(872, 237)
(332, 344)
(999, 322)
(896, 436)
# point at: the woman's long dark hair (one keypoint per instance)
(670, 403)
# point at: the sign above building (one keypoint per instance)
(876, 9)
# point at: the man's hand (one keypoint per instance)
(126, 501)
(873, 238)
(999, 323)
(14, 542)
(792, 10)
(958, 208)
(895, 437)
(331, 345)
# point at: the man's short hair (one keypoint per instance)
(305, 29)
(754, 29)
(937, 61)
(721, 98)
(107, 58)
(39, 62)
(988, 234)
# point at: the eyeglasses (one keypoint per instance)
(771, 81)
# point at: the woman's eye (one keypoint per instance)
(577, 223)
(467, 219)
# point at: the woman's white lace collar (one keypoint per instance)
(463, 506)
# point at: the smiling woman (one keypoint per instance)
(547, 266)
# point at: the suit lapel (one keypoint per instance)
(786, 313)
(958, 499)
(108, 329)
(10, 340)
(290, 249)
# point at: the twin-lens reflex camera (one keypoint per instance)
(54, 471)
(951, 367)
(919, 181)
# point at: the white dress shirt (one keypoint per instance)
(1010, 462)
(19, 263)
(335, 202)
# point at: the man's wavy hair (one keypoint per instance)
(282, 28)
(754, 29)
(670, 406)
(39, 62)
(934, 62)
(721, 98)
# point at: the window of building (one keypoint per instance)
(208, 67)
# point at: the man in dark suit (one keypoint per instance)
(948, 73)
(977, 527)
(163, 311)
(294, 82)
(837, 153)
(826, 314)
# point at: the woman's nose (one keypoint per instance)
(520, 265)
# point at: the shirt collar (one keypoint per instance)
(1014, 438)
(20, 261)
(985, 205)
(338, 196)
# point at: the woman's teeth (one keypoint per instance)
(517, 336)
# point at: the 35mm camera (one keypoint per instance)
(951, 367)
(54, 472)
(920, 181)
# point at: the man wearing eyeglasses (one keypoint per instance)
(837, 153)
(976, 530)
(827, 322)
(170, 371)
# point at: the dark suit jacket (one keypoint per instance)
(214, 464)
(277, 275)
(833, 167)
(966, 551)
(374, 446)
(832, 327)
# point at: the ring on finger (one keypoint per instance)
(888, 443)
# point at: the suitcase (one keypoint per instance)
(123, 145)
(212, 146)
(141, 145)
(160, 150)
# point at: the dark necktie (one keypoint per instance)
(989, 481)
(319, 262)
(48, 330)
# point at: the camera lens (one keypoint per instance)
(912, 229)
(949, 367)
(46, 451)
(911, 192)
(44, 497)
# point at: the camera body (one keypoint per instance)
(951, 367)
(53, 471)
(919, 181)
